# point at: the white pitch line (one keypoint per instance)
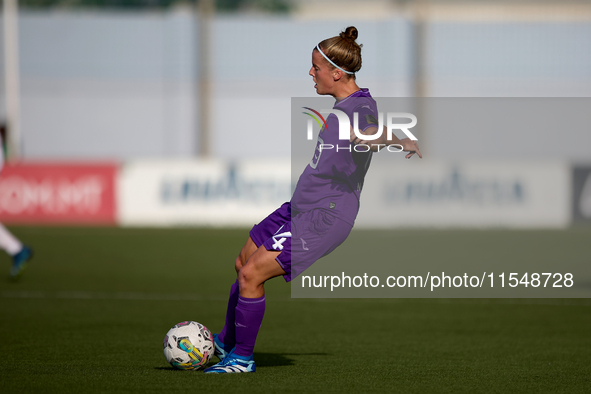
(137, 296)
(89, 295)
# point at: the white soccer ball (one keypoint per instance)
(188, 345)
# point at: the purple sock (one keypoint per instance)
(228, 333)
(249, 316)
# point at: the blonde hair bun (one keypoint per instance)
(350, 33)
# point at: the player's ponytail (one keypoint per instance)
(343, 51)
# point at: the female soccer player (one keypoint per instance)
(321, 212)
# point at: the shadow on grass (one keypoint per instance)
(263, 360)
(172, 369)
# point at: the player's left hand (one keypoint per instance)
(407, 144)
(411, 146)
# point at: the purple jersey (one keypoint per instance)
(334, 178)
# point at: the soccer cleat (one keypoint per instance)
(233, 363)
(219, 350)
(19, 262)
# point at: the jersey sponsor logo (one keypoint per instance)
(317, 153)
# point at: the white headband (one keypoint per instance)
(331, 62)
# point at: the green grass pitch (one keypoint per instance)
(90, 313)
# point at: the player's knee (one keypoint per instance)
(247, 277)
(243, 276)
(238, 264)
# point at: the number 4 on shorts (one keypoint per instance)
(280, 239)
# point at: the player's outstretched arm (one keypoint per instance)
(407, 144)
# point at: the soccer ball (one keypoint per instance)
(188, 345)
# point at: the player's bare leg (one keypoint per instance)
(259, 268)
(226, 339)
(250, 309)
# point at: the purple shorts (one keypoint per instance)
(315, 234)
